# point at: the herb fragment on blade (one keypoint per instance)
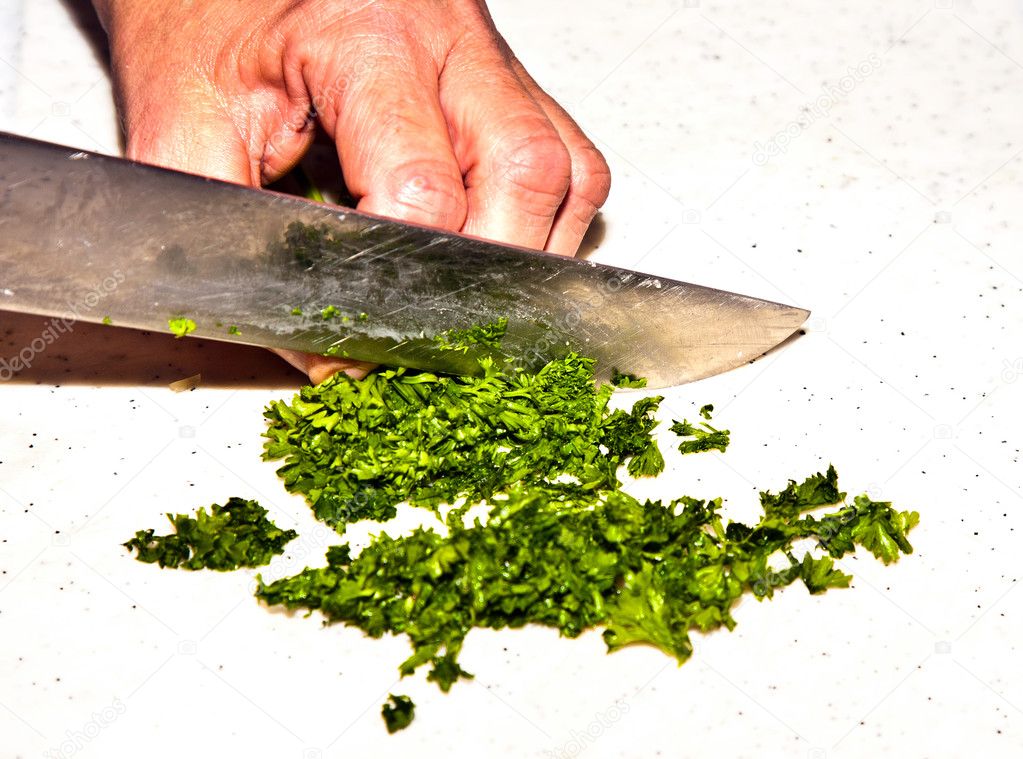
(624, 380)
(463, 340)
(181, 326)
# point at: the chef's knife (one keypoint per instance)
(100, 239)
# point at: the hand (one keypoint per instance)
(434, 119)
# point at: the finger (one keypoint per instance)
(196, 138)
(287, 141)
(591, 177)
(208, 142)
(385, 117)
(517, 170)
(319, 368)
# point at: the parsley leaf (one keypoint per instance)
(874, 525)
(702, 438)
(818, 490)
(627, 436)
(820, 574)
(398, 712)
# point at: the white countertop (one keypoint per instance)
(893, 213)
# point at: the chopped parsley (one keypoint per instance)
(357, 448)
(462, 340)
(296, 311)
(233, 330)
(647, 572)
(237, 534)
(701, 437)
(330, 312)
(557, 541)
(107, 321)
(623, 380)
(181, 326)
(398, 712)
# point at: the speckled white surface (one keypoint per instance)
(893, 212)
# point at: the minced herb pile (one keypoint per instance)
(234, 535)
(357, 448)
(562, 546)
(647, 572)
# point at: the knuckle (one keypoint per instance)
(431, 189)
(537, 163)
(591, 177)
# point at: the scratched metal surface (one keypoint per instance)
(102, 237)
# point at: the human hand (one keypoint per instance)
(434, 119)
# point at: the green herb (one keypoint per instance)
(107, 320)
(398, 713)
(309, 188)
(363, 317)
(305, 243)
(180, 326)
(330, 312)
(237, 534)
(647, 572)
(233, 330)
(462, 340)
(626, 434)
(818, 490)
(357, 448)
(623, 380)
(296, 311)
(702, 437)
(558, 543)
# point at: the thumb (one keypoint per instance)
(319, 368)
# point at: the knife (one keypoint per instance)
(100, 239)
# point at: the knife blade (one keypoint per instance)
(101, 239)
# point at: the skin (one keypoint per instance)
(434, 119)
